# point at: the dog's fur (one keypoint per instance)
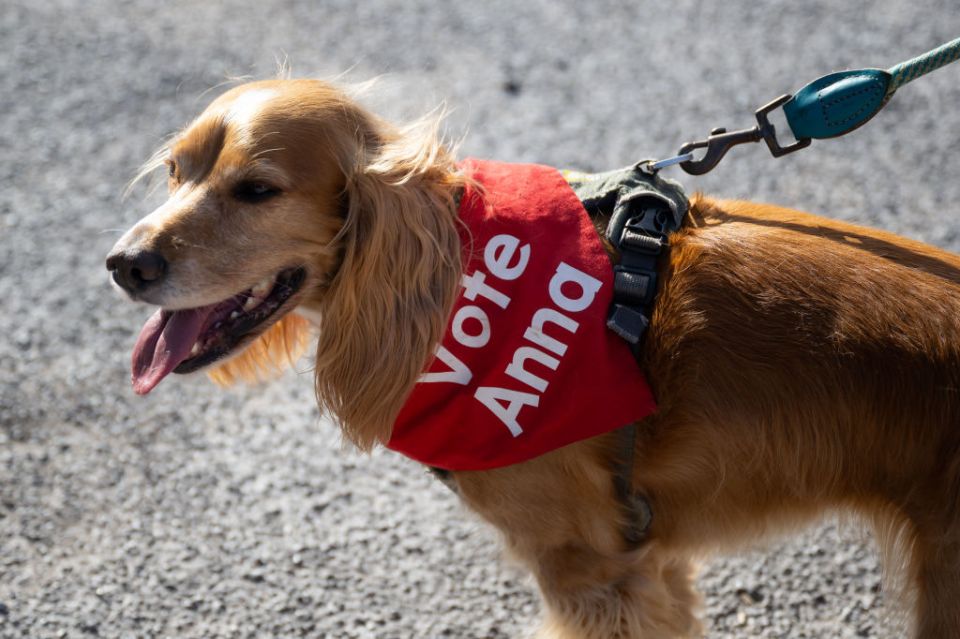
(800, 364)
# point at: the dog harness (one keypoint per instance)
(544, 316)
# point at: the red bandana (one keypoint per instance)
(527, 364)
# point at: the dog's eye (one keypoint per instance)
(171, 168)
(254, 192)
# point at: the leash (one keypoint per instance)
(645, 209)
(828, 107)
(649, 208)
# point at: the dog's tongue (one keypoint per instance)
(164, 342)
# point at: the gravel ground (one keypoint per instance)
(202, 513)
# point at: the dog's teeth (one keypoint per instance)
(258, 293)
(195, 350)
(234, 315)
(262, 287)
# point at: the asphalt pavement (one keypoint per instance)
(202, 513)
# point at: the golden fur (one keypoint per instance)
(800, 364)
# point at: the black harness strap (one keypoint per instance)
(445, 477)
(639, 228)
(635, 506)
(645, 213)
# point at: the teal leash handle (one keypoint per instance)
(828, 107)
(837, 103)
(840, 102)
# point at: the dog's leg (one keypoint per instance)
(560, 516)
(592, 596)
(919, 541)
(936, 569)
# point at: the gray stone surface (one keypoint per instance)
(202, 513)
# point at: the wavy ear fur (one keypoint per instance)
(387, 307)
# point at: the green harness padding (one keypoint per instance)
(612, 193)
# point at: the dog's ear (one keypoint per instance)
(387, 306)
(267, 356)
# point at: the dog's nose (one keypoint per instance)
(137, 271)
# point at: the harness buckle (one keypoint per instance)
(646, 230)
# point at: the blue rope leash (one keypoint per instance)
(923, 64)
(826, 108)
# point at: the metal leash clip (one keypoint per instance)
(720, 141)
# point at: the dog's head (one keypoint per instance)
(287, 195)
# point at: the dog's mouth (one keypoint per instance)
(186, 340)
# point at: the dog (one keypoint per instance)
(799, 365)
